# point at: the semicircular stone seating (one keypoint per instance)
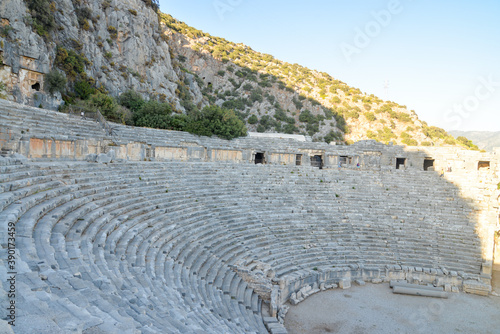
(149, 247)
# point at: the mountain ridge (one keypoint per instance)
(485, 140)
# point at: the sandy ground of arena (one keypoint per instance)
(375, 309)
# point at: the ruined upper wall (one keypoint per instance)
(22, 125)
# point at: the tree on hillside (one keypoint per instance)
(131, 100)
(153, 114)
(467, 143)
(213, 120)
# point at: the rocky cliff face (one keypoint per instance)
(117, 45)
(122, 41)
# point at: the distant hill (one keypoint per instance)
(485, 140)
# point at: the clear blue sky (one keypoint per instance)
(441, 58)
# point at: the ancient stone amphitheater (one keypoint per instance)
(136, 230)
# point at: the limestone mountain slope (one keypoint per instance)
(277, 96)
(113, 46)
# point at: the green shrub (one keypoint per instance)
(106, 105)
(404, 135)
(328, 113)
(434, 132)
(221, 73)
(402, 116)
(42, 16)
(426, 143)
(133, 12)
(371, 135)
(247, 87)
(266, 122)
(153, 114)
(83, 89)
(290, 128)
(306, 116)
(113, 33)
(385, 135)
(265, 83)
(352, 114)
(312, 128)
(370, 116)
(297, 103)
(55, 81)
(256, 95)
(332, 136)
(253, 119)
(83, 14)
(214, 120)
(280, 115)
(270, 98)
(182, 58)
(72, 63)
(467, 143)
(450, 141)
(410, 142)
(131, 100)
(5, 31)
(238, 104)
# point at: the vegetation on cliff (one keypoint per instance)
(317, 97)
(253, 88)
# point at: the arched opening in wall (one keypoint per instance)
(298, 159)
(260, 158)
(400, 163)
(429, 164)
(483, 165)
(36, 86)
(317, 161)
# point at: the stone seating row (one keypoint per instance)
(146, 235)
(23, 120)
(42, 233)
(39, 122)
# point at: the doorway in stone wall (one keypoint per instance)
(298, 159)
(317, 161)
(260, 158)
(483, 165)
(400, 163)
(429, 164)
